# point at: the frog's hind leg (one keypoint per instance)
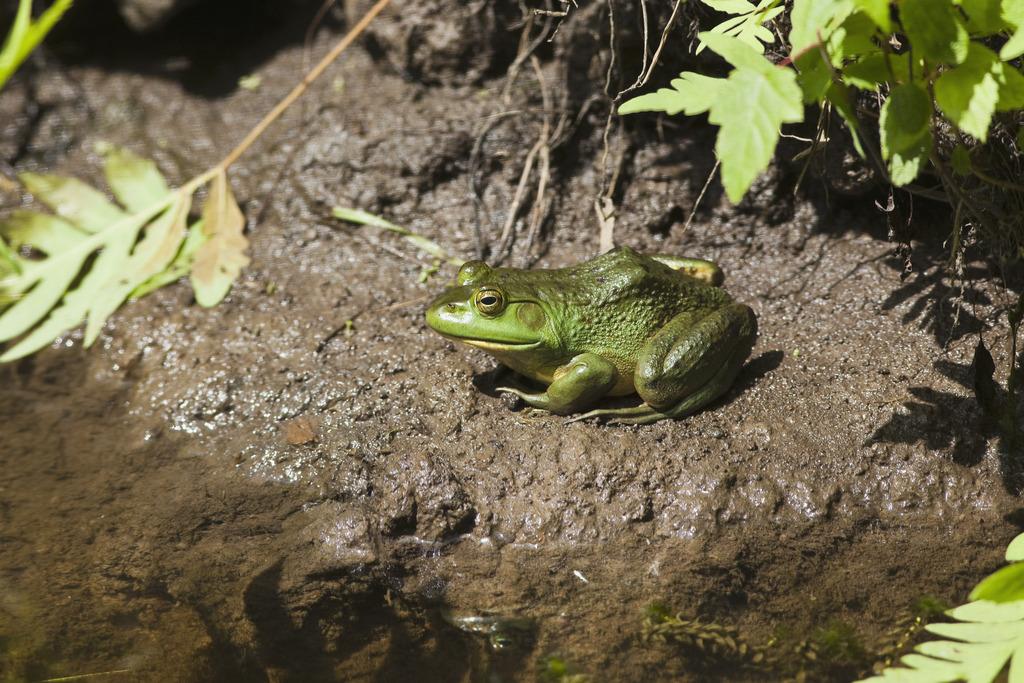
(646, 414)
(692, 361)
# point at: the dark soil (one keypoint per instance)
(262, 492)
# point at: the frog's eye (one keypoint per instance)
(490, 301)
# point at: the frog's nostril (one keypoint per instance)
(452, 307)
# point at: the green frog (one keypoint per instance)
(622, 323)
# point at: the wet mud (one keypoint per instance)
(305, 484)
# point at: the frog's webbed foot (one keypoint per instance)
(637, 415)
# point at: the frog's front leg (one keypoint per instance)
(576, 385)
(689, 363)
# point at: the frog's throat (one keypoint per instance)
(490, 345)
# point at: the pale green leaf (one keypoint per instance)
(1015, 551)
(691, 93)
(878, 11)
(815, 75)
(40, 231)
(979, 632)
(967, 94)
(814, 20)
(1011, 90)
(907, 164)
(840, 98)
(984, 16)
(1016, 674)
(1013, 15)
(854, 36)
(360, 217)
(1005, 585)
(135, 181)
(748, 27)
(736, 52)
(26, 34)
(179, 267)
(150, 256)
(730, 6)
(866, 72)
(75, 305)
(935, 30)
(904, 119)
(985, 611)
(221, 257)
(751, 107)
(73, 200)
(30, 307)
(16, 38)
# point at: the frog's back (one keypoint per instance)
(614, 303)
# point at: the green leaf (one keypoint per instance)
(960, 160)
(25, 35)
(40, 231)
(220, 259)
(1013, 15)
(1014, 47)
(72, 199)
(839, 96)
(360, 217)
(984, 611)
(934, 29)
(815, 75)
(104, 252)
(755, 101)
(1015, 551)
(813, 18)
(984, 16)
(1006, 585)
(691, 93)
(878, 11)
(150, 256)
(967, 94)
(179, 267)
(854, 36)
(748, 27)
(736, 52)
(135, 181)
(74, 305)
(904, 119)
(979, 632)
(1011, 90)
(906, 165)
(866, 72)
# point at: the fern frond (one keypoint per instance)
(749, 23)
(83, 261)
(986, 639)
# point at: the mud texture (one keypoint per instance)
(305, 484)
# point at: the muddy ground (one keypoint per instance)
(264, 492)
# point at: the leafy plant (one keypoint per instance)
(748, 23)
(986, 637)
(85, 259)
(930, 62)
(26, 34)
(81, 262)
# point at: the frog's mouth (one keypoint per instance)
(492, 345)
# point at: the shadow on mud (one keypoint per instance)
(944, 420)
(343, 626)
(191, 46)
